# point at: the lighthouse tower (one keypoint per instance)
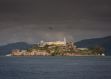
(65, 41)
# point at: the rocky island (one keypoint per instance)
(57, 48)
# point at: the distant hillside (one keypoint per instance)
(104, 42)
(19, 45)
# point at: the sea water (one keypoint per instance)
(56, 67)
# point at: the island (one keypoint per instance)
(58, 48)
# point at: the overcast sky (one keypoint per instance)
(34, 20)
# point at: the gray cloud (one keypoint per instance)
(34, 20)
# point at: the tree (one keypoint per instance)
(30, 49)
(98, 50)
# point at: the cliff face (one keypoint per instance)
(104, 42)
(33, 52)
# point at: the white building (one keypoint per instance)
(63, 43)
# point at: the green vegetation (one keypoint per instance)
(98, 50)
(54, 50)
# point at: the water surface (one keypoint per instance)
(55, 67)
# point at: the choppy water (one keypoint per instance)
(55, 67)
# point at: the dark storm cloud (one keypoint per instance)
(32, 20)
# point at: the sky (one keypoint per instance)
(34, 20)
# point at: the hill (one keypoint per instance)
(104, 42)
(19, 45)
